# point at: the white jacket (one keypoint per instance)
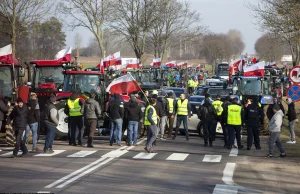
(276, 122)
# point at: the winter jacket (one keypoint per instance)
(207, 112)
(116, 109)
(254, 115)
(33, 111)
(165, 106)
(3, 110)
(276, 122)
(133, 112)
(51, 114)
(270, 112)
(159, 109)
(291, 112)
(19, 117)
(92, 109)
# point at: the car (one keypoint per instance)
(178, 91)
(160, 95)
(214, 91)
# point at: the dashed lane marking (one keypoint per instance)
(81, 154)
(212, 158)
(144, 156)
(54, 153)
(177, 157)
(221, 189)
(234, 152)
(228, 173)
(114, 154)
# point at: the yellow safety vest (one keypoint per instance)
(171, 104)
(195, 84)
(182, 108)
(218, 106)
(154, 116)
(191, 83)
(74, 107)
(234, 115)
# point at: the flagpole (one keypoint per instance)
(139, 87)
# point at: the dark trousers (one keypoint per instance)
(191, 90)
(49, 137)
(209, 128)
(19, 142)
(91, 129)
(182, 118)
(170, 127)
(225, 134)
(253, 132)
(234, 131)
(69, 131)
(76, 129)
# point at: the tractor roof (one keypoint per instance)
(48, 63)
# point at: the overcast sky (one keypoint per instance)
(218, 15)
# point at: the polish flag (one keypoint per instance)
(234, 66)
(257, 69)
(64, 55)
(123, 84)
(182, 64)
(272, 64)
(254, 60)
(156, 62)
(133, 64)
(106, 61)
(115, 59)
(171, 64)
(198, 67)
(6, 54)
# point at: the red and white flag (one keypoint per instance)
(272, 64)
(133, 64)
(106, 61)
(156, 62)
(115, 59)
(123, 84)
(257, 69)
(64, 55)
(6, 54)
(234, 66)
(198, 67)
(171, 64)
(181, 64)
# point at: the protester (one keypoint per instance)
(116, 115)
(159, 109)
(292, 119)
(254, 115)
(270, 112)
(19, 117)
(91, 113)
(183, 110)
(219, 109)
(74, 109)
(134, 115)
(164, 114)
(150, 121)
(51, 122)
(32, 121)
(275, 129)
(224, 127)
(171, 114)
(208, 115)
(191, 85)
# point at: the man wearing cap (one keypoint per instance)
(163, 114)
(92, 112)
(19, 117)
(74, 109)
(171, 113)
(51, 122)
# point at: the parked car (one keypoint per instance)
(176, 90)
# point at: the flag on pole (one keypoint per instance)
(156, 62)
(234, 67)
(123, 84)
(6, 54)
(64, 55)
(257, 69)
(171, 64)
(133, 64)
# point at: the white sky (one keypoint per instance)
(218, 15)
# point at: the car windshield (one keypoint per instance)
(223, 73)
(48, 74)
(249, 86)
(221, 91)
(215, 84)
(177, 91)
(5, 81)
(196, 99)
(145, 76)
(82, 83)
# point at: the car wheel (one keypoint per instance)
(200, 129)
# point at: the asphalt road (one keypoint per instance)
(179, 166)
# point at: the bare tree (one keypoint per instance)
(90, 14)
(236, 40)
(22, 12)
(77, 41)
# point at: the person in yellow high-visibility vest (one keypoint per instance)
(74, 109)
(218, 104)
(234, 120)
(196, 83)
(183, 110)
(171, 114)
(191, 85)
(150, 121)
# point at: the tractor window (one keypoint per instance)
(145, 76)
(48, 74)
(250, 87)
(5, 81)
(82, 83)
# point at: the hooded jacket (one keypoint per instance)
(164, 106)
(116, 108)
(207, 112)
(276, 122)
(19, 117)
(92, 109)
(133, 111)
(33, 111)
(291, 112)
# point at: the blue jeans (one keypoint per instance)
(50, 136)
(184, 119)
(116, 130)
(132, 128)
(34, 128)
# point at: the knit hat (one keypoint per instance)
(19, 100)
(52, 98)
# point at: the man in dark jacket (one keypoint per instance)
(171, 113)
(74, 109)
(253, 116)
(224, 127)
(51, 122)
(159, 110)
(19, 117)
(116, 114)
(292, 119)
(91, 113)
(163, 114)
(134, 115)
(208, 116)
(32, 120)
(3, 111)
(270, 112)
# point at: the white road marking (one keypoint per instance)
(84, 173)
(144, 156)
(228, 173)
(114, 154)
(177, 157)
(54, 153)
(8, 154)
(8, 148)
(212, 158)
(221, 189)
(141, 141)
(234, 152)
(74, 173)
(81, 154)
(45, 192)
